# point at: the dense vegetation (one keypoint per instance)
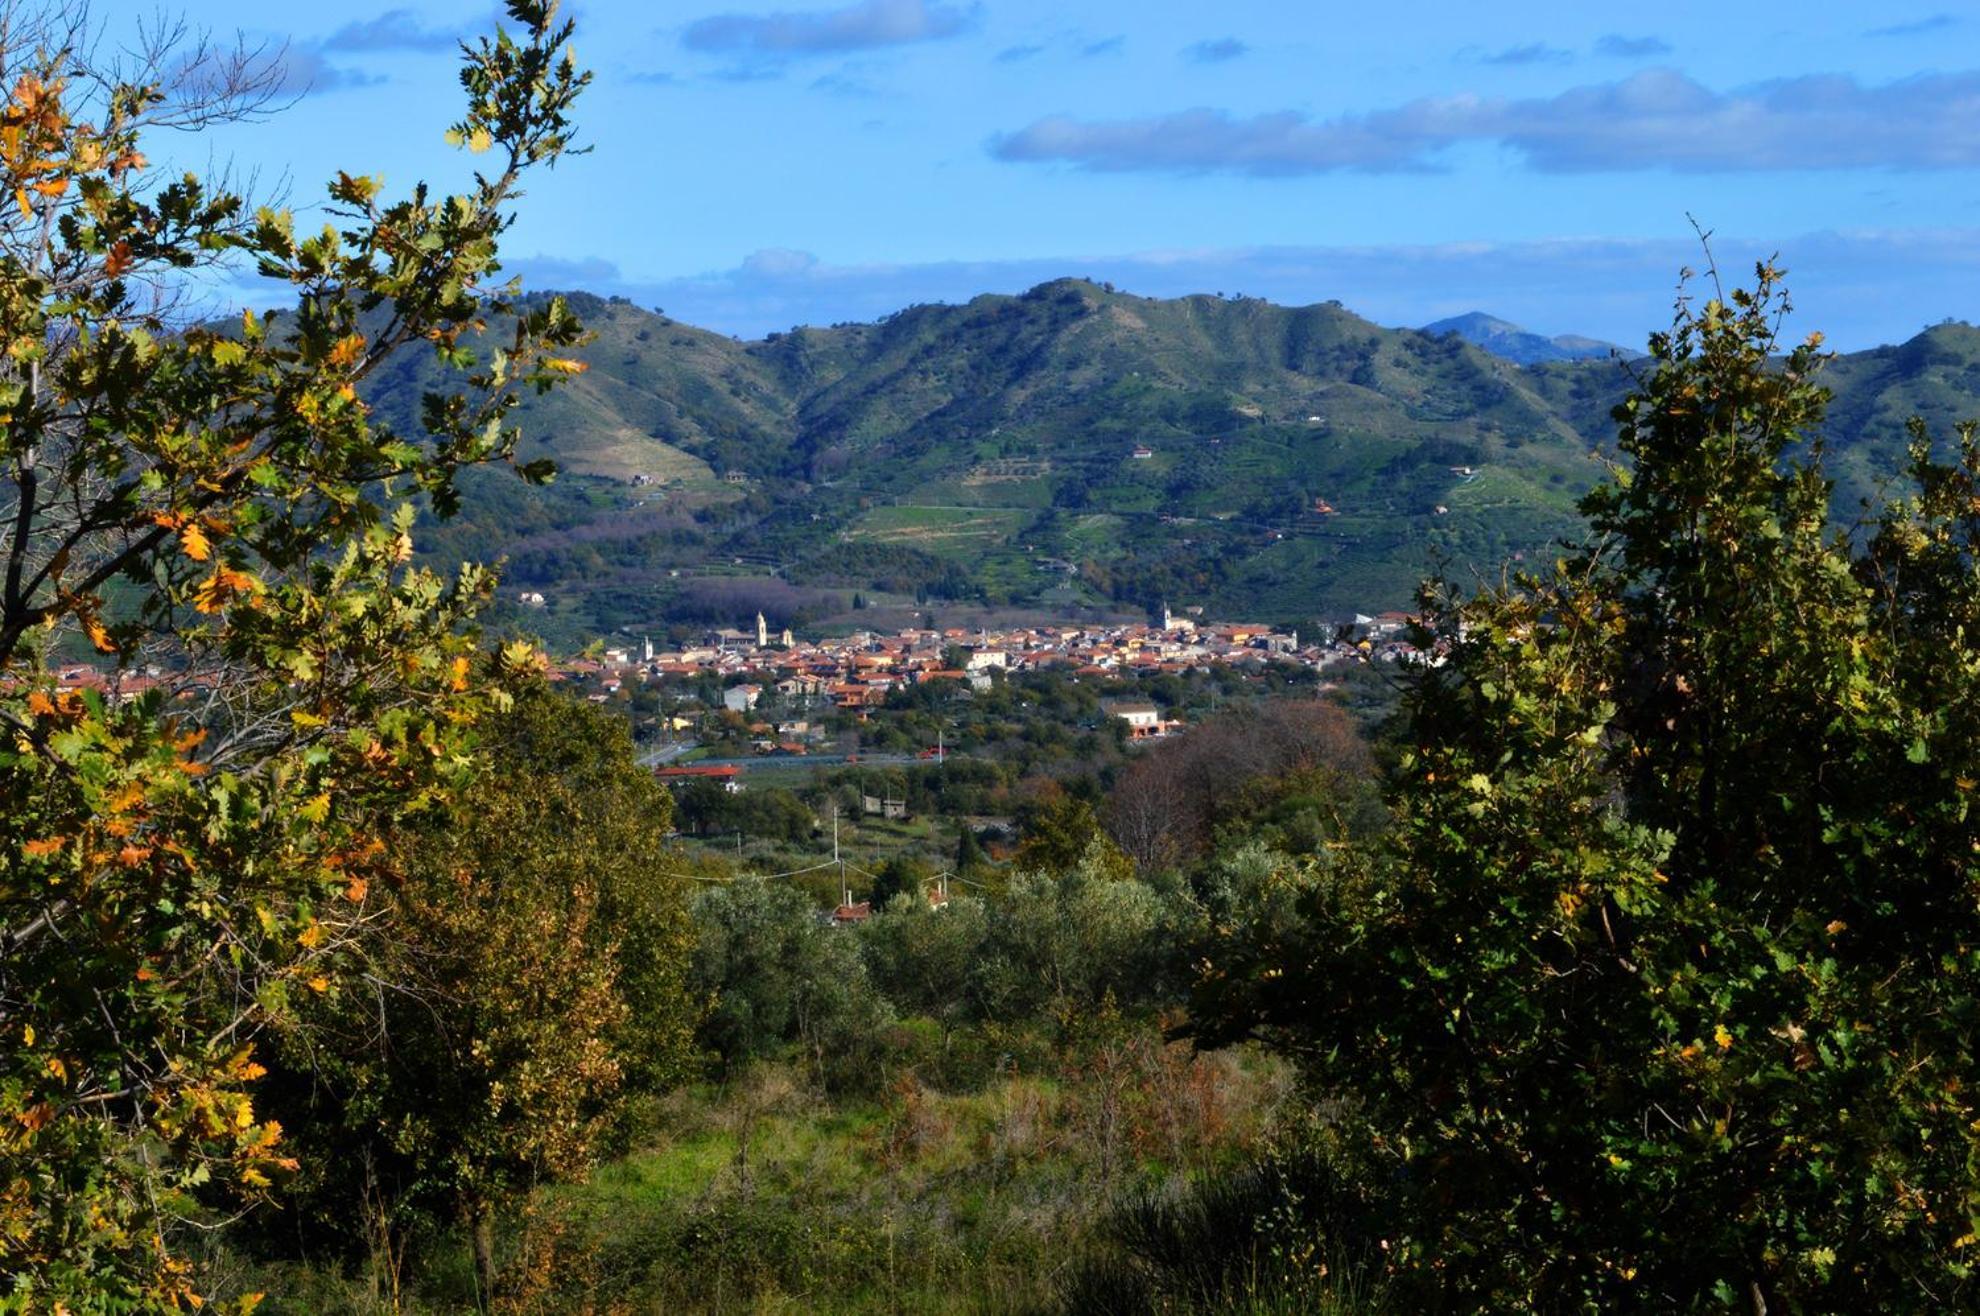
(348, 967)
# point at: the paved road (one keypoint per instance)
(816, 760)
(666, 754)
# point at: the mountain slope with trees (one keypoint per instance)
(1072, 446)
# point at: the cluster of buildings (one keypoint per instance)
(859, 671)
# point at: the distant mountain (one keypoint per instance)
(1070, 447)
(1505, 339)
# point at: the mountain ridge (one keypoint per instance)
(1069, 447)
(1518, 344)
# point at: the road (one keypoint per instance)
(818, 760)
(658, 758)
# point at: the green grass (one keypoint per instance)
(767, 1195)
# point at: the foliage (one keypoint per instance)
(1662, 997)
(1061, 832)
(926, 959)
(899, 875)
(534, 972)
(1074, 939)
(183, 863)
(776, 975)
(1296, 767)
(1292, 1230)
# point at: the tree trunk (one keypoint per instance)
(481, 1230)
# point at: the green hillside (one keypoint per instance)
(1071, 446)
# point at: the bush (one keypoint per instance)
(779, 977)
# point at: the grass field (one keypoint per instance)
(622, 454)
(974, 1178)
(762, 1196)
(946, 531)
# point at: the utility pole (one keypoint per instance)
(845, 891)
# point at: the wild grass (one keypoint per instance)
(992, 1194)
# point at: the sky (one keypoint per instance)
(758, 164)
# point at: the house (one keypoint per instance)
(852, 912)
(727, 777)
(1143, 718)
(1142, 452)
(741, 698)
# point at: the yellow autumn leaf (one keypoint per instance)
(1722, 1037)
(564, 365)
(217, 590)
(193, 541)
(319, 984)
(480, 140)
(347, 350)
(99, 635)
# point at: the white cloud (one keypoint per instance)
(862, 26)
(1658, 118)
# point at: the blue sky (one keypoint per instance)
(762, 163)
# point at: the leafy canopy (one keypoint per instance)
(1663, 994)
(221, 518)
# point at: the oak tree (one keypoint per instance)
(1662, 994)
(193, 842)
